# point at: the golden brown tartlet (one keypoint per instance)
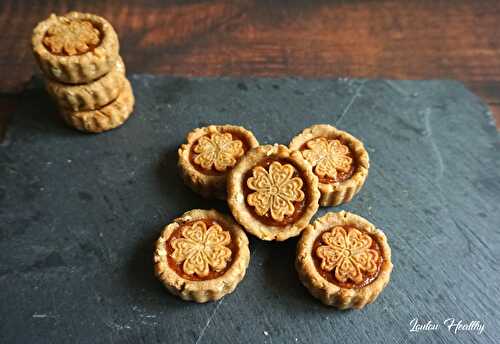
(343, 260)
(202, 255)
(75, 48)
(273, 192)
(93, 95)
(106, 118)
(208, 155)
(339, 160)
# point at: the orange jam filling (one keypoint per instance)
(209, 255)
(298, 203)
(71, 37)
(332, 159)
(347, 257)
(219, 155)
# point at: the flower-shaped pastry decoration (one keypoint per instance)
(348, 253)
(328, 157)
(71, 37)
(275, 190)
(200, 249)
(218, 150)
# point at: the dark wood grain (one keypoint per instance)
(368, 39)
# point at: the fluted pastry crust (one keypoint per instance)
(206, 184)
(91, 96)
(106, 118)
(328, 292)
(333, 194)
(78, 68)
(237, 201)
(210, 289)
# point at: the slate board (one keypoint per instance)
(79, 215)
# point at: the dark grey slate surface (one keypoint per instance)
(79, 215)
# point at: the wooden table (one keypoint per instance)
(453, 39)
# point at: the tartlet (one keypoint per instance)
(273, 192)
(106, 118)
(339, 160)
(75, 48)
(343, 260)
(209, 154)
(201, 256)
(93, 95)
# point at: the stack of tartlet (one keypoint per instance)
(273, 192)
(78, 54)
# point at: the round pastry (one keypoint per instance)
(75, 48)
(106, 118)
(339, 160)
(343, 260)
(89, 96)
(209, 154)
(272, 192)
(202, 255)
